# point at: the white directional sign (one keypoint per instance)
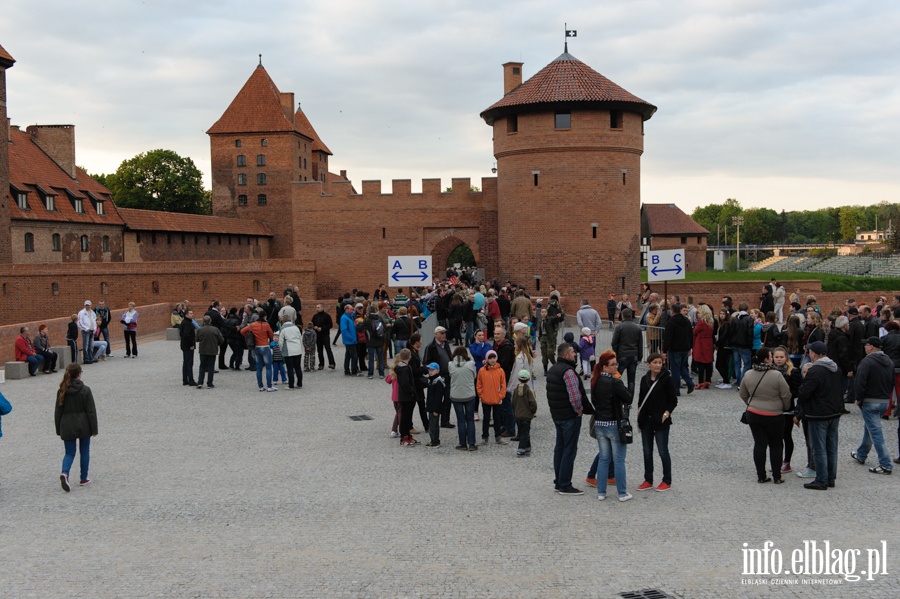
(665, 265)
(409, 270)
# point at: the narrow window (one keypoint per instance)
(256, 286)
(264, 142)
(261, 199)
(29, 242)
(22, 200)
(261, 179)
(242, 200)
(563, 120)
(104, 243)
(79, 206)
(169, 238)
(55, 242)
(208, 240)
(104, 289)
(196, 239)
(155, 286)
(512, 123)
(54, 288)
(260, 160)
(242, 179)
(219, 239)
(383, 233)
(699, 239)
(683, 240)
(101, 210)
(624, 173)
(615, 119)
(229, 240)
(137, 237)
(537, 284)
(153, 237)
(241, 160)
(85, 245)
(535, 175)
(237, 143)
(183, 239)
(304, 163)
(594, 231)
(50, 203)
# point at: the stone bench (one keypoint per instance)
(16, 370)
(64, 356)
(173, 334)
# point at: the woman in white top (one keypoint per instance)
(463, 397)
(524, 361)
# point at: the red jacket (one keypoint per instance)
(703, 343)
(493, 313)
(23, 348)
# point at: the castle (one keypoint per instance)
(563, 208)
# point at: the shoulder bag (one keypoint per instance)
(744, 419)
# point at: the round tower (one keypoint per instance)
(568, 145)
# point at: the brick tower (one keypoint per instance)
(6, 61)
(568, 145)
(257, 152)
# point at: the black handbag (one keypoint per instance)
(626, 432)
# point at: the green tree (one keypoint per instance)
(159, 180)
(851, 217)
(712, 215)
(761, 226)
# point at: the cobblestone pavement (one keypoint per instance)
(233, 493)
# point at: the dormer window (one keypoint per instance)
(79, 206)
(22, 200)
(50, 203)
(100, 209)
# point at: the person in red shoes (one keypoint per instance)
(656, 402)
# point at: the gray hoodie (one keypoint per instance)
(588, 317)
(874, 378)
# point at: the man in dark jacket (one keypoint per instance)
(186, 334)
(209, 338)
(856, 333)
(839, 351)
(375, 333)
(874, 382)
(322, 325)
(871, 322)
(741, 338)
(628, 343)
(439, 351)
(217, 321)
(820, 402)
(567, 401)
(677, 342)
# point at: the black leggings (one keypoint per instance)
(704, 372)
(768, 433)
(497, 413)
(788, 439)
(723, 357)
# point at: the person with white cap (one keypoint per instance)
(439, 352)
(87, 322)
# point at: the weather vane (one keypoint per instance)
(569, 33)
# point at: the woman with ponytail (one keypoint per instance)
(76, 419)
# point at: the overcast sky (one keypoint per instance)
(790, 105)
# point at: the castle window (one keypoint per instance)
(242, 179)
(22, 200)
(229, 240)
(563, 120)
(104, 243)
(237, 143)
(50, 203)
(516, 70)
(137, 237)
(615, 119)
(241, 160)
(79, 205)
(535, 174)
(183, 239)
(304, 163)
(261, 199)
(169, 238)
(153, 237)
(29, 242)
(101, 211)
(261, 179)
(264, 142)
(699, 239)
(260, 160)
(242, 200)
(55, 244)
(196, 239)
(683, 240)
(512, 123)
(85, 244)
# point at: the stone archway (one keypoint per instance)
(441, 251)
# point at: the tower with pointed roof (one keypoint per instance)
(568, 144)
(258, 148)
(6, 61)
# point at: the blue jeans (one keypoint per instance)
(662, 446)
(278, 370)
(567, 433)
(470, 333)
(741, 362)
(34, 362)
(399, 346)
(629, 364)
(87, 344)
(824, 437)
(351, 366)
(263, 360)
(376, 352)
(678, 365)
(104, 331)
(592, 472)
(84, 448)
(465, 421)
(611, 449)
(872, 434)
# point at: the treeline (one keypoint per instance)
(766, 226)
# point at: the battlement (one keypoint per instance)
(401, 190)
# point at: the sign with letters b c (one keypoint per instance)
(665, 265)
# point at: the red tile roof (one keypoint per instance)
(305, 127)
(669, 219)
(568, 80)
(6, 58)
(34, 172)
(255, 109)
(154, 220)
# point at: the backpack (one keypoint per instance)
(481, 321)
(376, 328)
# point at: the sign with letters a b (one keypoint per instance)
(409, 271)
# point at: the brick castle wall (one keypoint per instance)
(70, 242)
(163, 246)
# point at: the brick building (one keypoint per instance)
(667, 227)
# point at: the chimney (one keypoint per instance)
(58, 142)
(344, 175)
(287, 105)
(512, 76)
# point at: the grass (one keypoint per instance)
(829, 282)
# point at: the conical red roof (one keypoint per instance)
(569, 81)
(255, 109)
(306, 128)
(6, 58)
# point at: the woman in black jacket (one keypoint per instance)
(609, 395)
(406, 396)
(76, 418)
(783, 363)
(656, 402)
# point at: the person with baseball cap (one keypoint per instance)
(820, 402)
(87, 323)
